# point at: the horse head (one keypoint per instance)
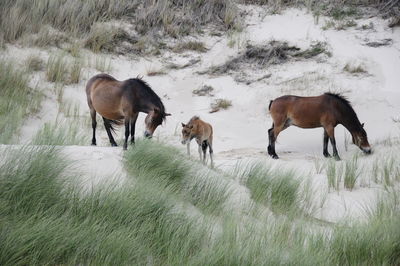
(153, 119)
(186, 133)
(360, 139)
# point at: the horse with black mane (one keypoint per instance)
(119, 102)
(327, 111)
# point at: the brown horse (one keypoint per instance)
(120, 102)
(202, 132)
(327, 111)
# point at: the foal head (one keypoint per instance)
(186, 133)
(360, 139)
(153, 119)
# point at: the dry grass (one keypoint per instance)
(57, 68)
(107, 38)
(190, 46)
(35, 63)
(205, 90)
(354, 68)
(155, 72)
(275, 52)
(219, 104)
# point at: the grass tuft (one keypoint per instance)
(190, 46)
(354, 68)
(57, 68)
(60, 133)
(219, 104)
(351, 173)
(35, 63)
(17, 99)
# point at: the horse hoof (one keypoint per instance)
(327, 155)
(274, 156)
(337, 158)
(114, 145)
(94, 144)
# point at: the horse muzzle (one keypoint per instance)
(148, 135)
(367, 150)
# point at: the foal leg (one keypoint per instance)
(127, 120)
(107, 125)
(133, 123)
(188, 148)
(204, 148)
(94, 124)
(325, 149)
(210, 149)
(199, 149)
(331, 133)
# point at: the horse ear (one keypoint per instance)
(183, 125)
(362, 124)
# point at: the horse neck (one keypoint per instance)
(146, 106)
(351, 122)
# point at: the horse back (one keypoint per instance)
(306, 112)
(104, 94)
(202, 128)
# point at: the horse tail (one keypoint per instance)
(113, 123)
(270, 103)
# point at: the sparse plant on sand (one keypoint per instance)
(219, 104)
(60, 133)
(205, 90)
(17, 99)
(35, 63)
(154, 71)
(190, 46)
(354, 68)
(57, 68)
(334, 173)
(351, 173)
(75, 71)
(102, 64)
(106, 38)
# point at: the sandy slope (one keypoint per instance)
(241, 131)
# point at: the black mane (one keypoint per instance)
(145, 91)
(344, 101)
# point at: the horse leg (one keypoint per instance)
(94, 124)
(331, 133)
(204, 148)
(273, 134)
(107, 125)
(210, 150)
(271, 145)
(188, 148)
(133, 123)
(325, 149)
(127, 124)
(199, 148)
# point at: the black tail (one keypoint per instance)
(270, 103)
(114, 123)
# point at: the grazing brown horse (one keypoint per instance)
(327, 111)
(202, 132)
(120, 102)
